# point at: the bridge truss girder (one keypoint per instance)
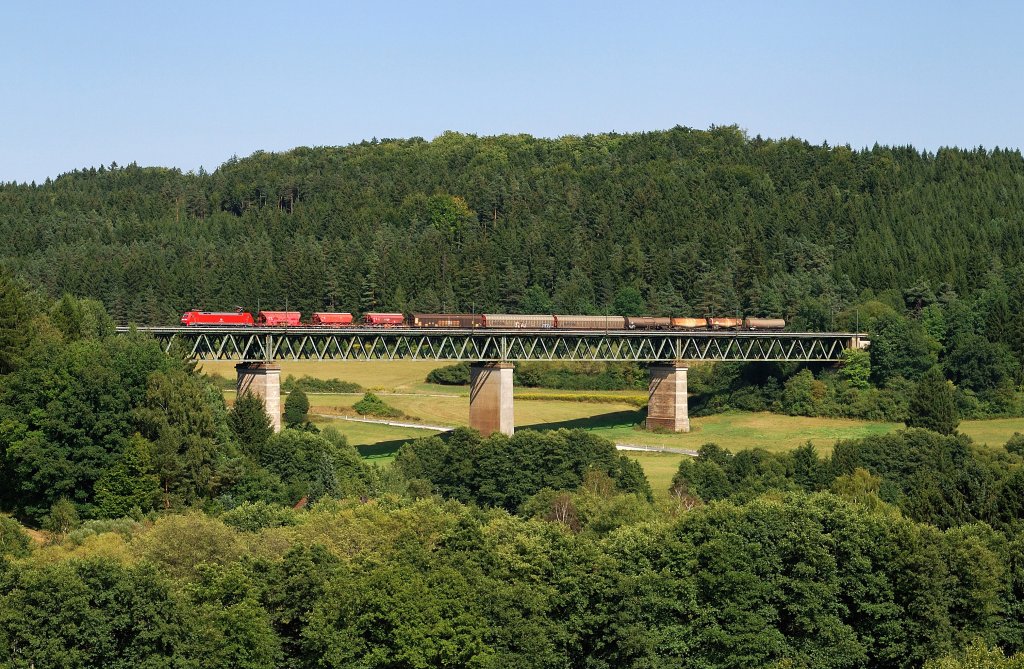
(487, 346)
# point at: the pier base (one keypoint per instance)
(667, 407)
(262, 379)
(490, 398)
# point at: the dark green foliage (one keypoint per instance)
(450, 375)
(372, 405)
(943, 480)
(1015, 444)
(975, 363)
(716, 473)
(559, 375)
(629, 301)
(250, 423)
(932, 478)
(313, 465)
(466, 223)
(68, 415)
(96, 613)
(296, 408)
(900, 347)
(933, 406)
(255, 516)
(313, 385)
(18, 326)
(503, 472)
(581, 375)
(13, 540)
(856, 368)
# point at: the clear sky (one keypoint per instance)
(188, 84)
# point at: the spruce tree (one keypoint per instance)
(933, 406)
(250, 423)
(296, 406)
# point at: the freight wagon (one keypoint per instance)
(331, 319)
(459, 321)
(279, 318)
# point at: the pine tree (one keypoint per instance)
(933, 406)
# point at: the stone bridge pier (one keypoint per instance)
(667, 407)
(262, 379)
(490, 398)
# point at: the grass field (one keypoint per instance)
(402, 384)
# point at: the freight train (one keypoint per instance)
(242, 318)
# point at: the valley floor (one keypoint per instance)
(611, 414)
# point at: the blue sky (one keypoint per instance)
(189, 84)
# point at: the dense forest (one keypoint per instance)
(681, 222)
(924, 251)
(145, 523)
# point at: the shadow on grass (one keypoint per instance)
(382, 449)
(604, 420)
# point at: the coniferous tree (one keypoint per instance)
(296, 408)
(933, 406)
(250, 423)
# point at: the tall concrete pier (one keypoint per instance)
(667, 407)
(262, 379)
(490, 398)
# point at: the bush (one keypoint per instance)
(581, 375)
(310, 385)
(450, 375)
(13, 539)
(1015, 444)
(256, 516)
(371, 405)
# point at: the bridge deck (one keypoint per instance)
(245, 344)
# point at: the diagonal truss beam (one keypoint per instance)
(248, 345)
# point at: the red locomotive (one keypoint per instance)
(216, 318)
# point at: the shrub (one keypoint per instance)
(255, 516)
(450, 375)
(371, 405)
(13, 539)
(311, 385)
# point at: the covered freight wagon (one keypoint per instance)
(279, 318)
(519, 321)
(461, 321)
(332, 319)
(578, 322)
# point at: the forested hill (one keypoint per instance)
(696, 221)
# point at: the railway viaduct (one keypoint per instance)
(257, 352)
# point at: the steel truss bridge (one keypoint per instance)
(361, 343)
